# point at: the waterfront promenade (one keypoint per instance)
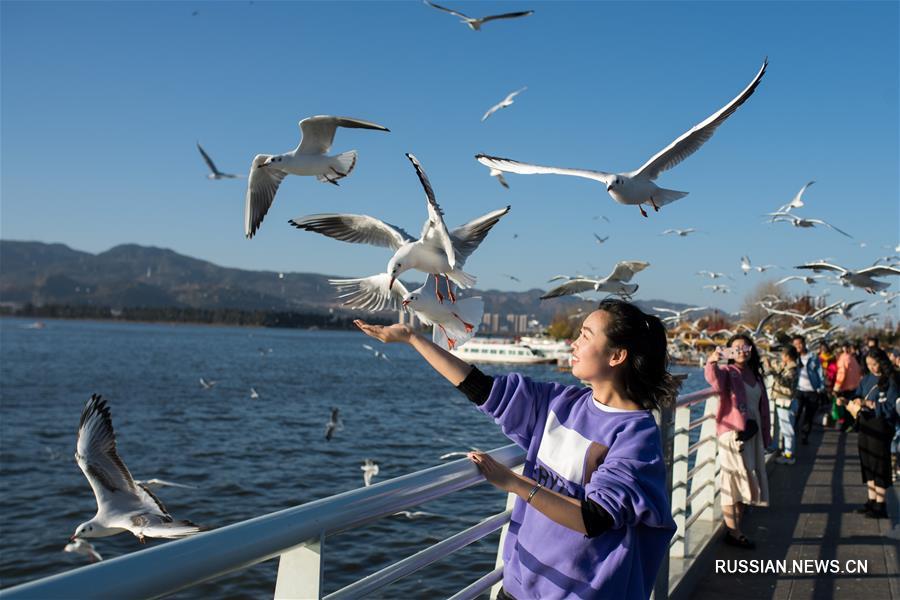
(811, 517)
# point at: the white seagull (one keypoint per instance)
(614, 283)
(807, 279)
(122, 504)
(637, 187)
(680, 232)
(207, 385)
(370, 470)
(254, 395)
(375, 353)
(498, 174)
(746, 267)
(476, 23)
(677, 315)
(214, 173)
(711, 274)
(796, 221)
(452, 324)
(309, 158)
(502, 104)
(437, 251)
(796, 202)
(84, 548)
(864, 278)
(718, 288)
(599, 239)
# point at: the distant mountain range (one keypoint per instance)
(144, 276)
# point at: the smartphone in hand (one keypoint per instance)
(727, 353)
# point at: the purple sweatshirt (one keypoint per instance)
(575, 447)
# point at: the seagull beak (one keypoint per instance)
(404, 303)
(73, 538)
(391, 284)
(609, 187)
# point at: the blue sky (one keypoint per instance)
(102, 104)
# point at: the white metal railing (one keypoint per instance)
(298, 535)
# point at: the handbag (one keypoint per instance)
(749, 431)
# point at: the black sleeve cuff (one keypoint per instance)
(596, 519)
(476, 386)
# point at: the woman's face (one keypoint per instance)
(742, 348)
(874, 367)
(590, 354)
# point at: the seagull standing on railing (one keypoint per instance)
(309, 159)
(437, 251)
(638, 187)
(122, 504)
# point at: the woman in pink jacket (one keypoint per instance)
(742, 426)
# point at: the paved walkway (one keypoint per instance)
(811, 517)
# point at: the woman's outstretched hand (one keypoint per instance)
(392, 333)
(496, 473)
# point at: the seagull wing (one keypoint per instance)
(513, 166)
(318, 132)
(370, 293)
(95, 453)
(491, 111)
(668, 310)
(452, 12)
(207, 159)
(821, 222)
(626, 269)
(356, 229)
(573, 286)
(512, 15)
(466, 238)
(879, 271)
(434, 230)
(788, 278)
(262, 183)
(699, 134)
(822, 266)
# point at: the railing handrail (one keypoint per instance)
(235, 547)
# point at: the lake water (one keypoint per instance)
(246, 457)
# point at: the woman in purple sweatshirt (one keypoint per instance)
(592, 518)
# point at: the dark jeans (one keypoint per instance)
(808, 406)
(502, 595)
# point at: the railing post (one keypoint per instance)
(498, 564)
(708, 456)
(666, 430)
(300, 572)
(680, 445)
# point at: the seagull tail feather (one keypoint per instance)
(461, 278)
(663, 196)
(340, 166)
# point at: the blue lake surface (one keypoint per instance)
(246, 457)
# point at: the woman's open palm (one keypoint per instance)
(387, 334)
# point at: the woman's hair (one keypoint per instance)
(884, 365)
(646, 377)
(824, 346)
(791, 352)
(753, 362)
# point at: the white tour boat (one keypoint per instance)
(484, 350)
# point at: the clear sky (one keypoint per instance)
(102, 104)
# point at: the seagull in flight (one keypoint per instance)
(83, 547)
(254, 395)
(370, 470)
(309, 158)
(677, 315)
(680, 232)
(376, 353)
(155, 484)
(508, 101)
(122, 504)
(711, 274)
(476, 23)
(863, 278)
(334, 424)
(599, 239)
(807, 279)
(437, 251)
(500, 178)
(638, 187)
(214, 173)
(614, 283)
(796, 221)
(718, 288)
(796, 202)
(207, 385)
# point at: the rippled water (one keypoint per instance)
(246, 457)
